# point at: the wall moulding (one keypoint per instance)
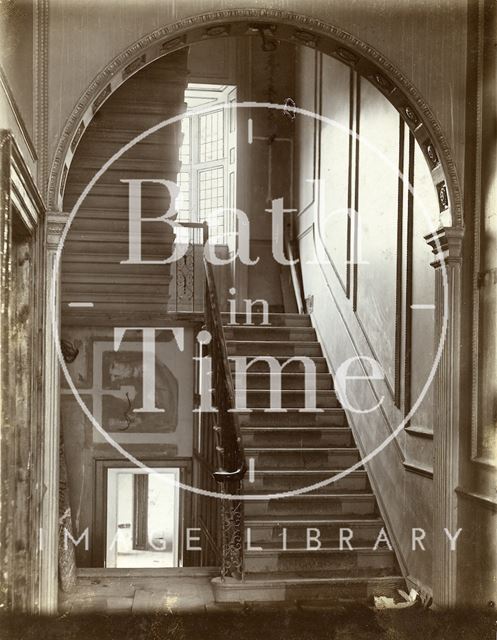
(283, 25)
(418, 469)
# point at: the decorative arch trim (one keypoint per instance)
(273, 26)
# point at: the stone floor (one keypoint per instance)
(115, 604)
(120, 591)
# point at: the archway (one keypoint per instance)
(273, 26)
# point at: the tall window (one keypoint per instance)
(208, 160)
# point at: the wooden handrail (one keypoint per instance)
(224, 388)
(220, 457)
(296, 280)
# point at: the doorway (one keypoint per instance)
(142, 518)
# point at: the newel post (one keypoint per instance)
(446, 244)
(49, 534)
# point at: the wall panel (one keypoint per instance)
(377, 320)
(110, 385)
(334, 160)
(377, 229)
(421, 347)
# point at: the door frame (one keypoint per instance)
(99, 523)
(111, 485)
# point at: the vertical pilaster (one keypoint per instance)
(40, 91)
(6, 467)
(51, 431)
(446, 245)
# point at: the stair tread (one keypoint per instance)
(272, 342)
(271, 521)
(320, 496)
(301, 448)
(265, 374)
(278, 428)
(290, 469)
(258, 314)
(268, 492)
(279, 356)
(288, 578)
(265, 327)
(267, 549)
(319, 410)
(289, 391)
(305, 472)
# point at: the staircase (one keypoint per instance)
(94, 267)
(292, 450)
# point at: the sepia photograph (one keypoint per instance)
(248, 319)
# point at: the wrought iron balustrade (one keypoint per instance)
(186, 290)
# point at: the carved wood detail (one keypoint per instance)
(284, 25)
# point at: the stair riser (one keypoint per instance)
(291, 367)
(288, 334)
(320, 382)
(296, 536)
(293, 419)
(149, 252)
(281, 438)
(303, 459)
(274, 349)
(345, 507)
(333, 562)
(140, 151)
(119, 200)
(125, 290)
(288, 482)
(308, 591)
(283, 320)
(116, 225)
(290, 400)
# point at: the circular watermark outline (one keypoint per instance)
(55, 326)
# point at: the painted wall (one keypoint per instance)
(264, 164)
(110, 384)
(17, 74)
(373, 265)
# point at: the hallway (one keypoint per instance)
(248, 359)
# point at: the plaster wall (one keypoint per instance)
(110, 385)
(362, 274)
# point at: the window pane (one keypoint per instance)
(211, 199)
(184, 152)
(211, 136)
(183, 200)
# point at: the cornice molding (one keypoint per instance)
(55, 223)
(418, 469)
(284, 25)
(446, 245)
(480, 498)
